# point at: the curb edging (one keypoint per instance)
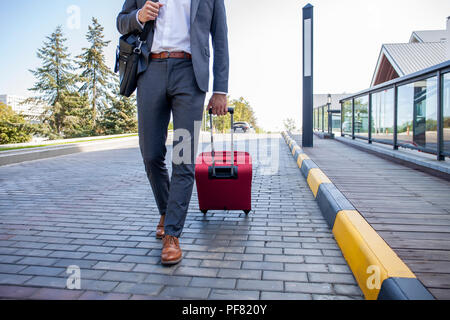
(379, 272)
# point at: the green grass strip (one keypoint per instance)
(65, 143)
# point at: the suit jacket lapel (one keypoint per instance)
(194, 8)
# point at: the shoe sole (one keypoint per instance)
(171, 263)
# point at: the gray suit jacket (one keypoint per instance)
(207, 17)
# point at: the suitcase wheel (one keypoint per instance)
(247, 212)
(204, 211)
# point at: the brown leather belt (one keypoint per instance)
(167, 55)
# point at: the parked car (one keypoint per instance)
(241, 127)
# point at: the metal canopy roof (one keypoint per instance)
(429, 36)
(407, 58)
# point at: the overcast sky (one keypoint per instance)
(265, 43)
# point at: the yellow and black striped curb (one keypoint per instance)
(380, 273)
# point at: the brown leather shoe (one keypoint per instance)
(171, 253)
(160, 233)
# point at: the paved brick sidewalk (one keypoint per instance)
(96, 211)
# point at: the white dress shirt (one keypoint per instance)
(172, 28)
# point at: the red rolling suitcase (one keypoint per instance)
(221, 185)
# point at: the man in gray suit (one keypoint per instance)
(174, 78)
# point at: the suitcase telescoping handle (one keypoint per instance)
(231, 111)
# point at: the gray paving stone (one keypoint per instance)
(200, 272)
(117, 266)
(33, 252)
(213, 283)
(55, 294)
(14, 279)
(240, 274)
(221, 264)
(347, 290)
(67, 254)
(43, 271)
(124, 276)
(5, 259)
(262, 265)
(285, 296)
(130, 251)
(11, 268)
(331, 278)
(244, 257)
(93, 295)
(96, 285)
(339, 268)
(304, 267)
(283, 258)
(16, 292)
(304, 287)
(62, 247)
(37, 261)
(285, 276)
(139, 288)
(4, 250)
(220, 294)
(104, 257)
(44, 281)
(205, 255)
(75, 262)
(182, 292)
(186, 262)
(169, 280)
(96, 249)
(328, 260)
(263, 250)
(262, 285)
(91, 274)
(302, 252)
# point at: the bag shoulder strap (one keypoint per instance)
(147, 28)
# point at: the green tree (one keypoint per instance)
(121, 116)
(71, 113)
(289, 125)
(95, 74)
(56, 73)
(242, 112)
(13, 127)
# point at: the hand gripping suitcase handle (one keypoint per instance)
(231, 111)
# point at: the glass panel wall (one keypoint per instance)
(383, 116)
(336, 122)
(446, 109)
(325, 119)
(320, 119)
(314, 119)
(316, 112)
(417, 114)
(347, 117)
(362, 116)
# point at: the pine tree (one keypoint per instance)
(77, 115)
(95, 73)
(56, 73)
(121, 116)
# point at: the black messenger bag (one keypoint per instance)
(127, 58)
